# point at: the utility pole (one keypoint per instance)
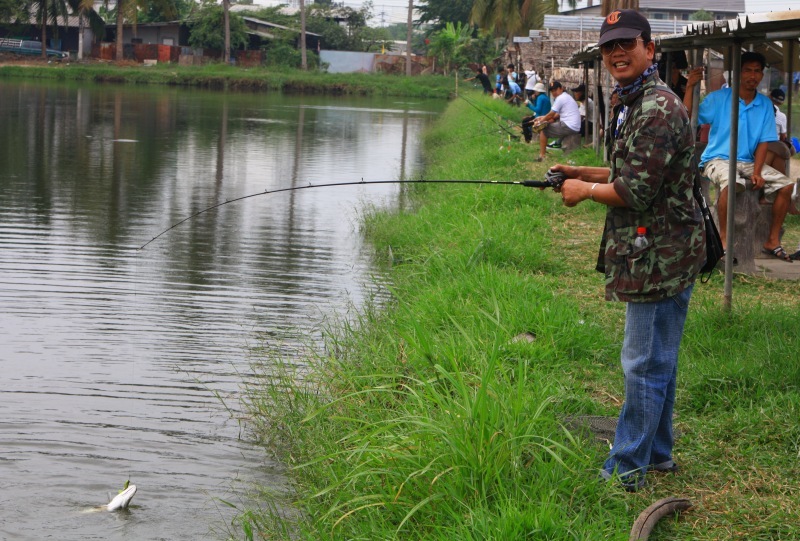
(226, 21)
(303, 52)
(408, 37)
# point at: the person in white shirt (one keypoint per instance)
(563, 119)
(585, 106)
(778, 152)
(532, 79)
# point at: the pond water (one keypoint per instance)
(120, 363)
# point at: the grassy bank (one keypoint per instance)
(219, 76)
(427, 419)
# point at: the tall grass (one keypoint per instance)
(426, 417)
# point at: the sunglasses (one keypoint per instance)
(626, 45)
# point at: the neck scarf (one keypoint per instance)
(637, 84)
(627, 90)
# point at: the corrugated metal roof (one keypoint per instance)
(578, 22)
(730, 6)
(765, 32)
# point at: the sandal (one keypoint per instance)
(778, 252)
(795, 256)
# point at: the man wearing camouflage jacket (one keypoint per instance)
(648, 186)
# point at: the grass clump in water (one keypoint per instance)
(426, 419)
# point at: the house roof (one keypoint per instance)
(260, 27)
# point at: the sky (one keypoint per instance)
(385, 12)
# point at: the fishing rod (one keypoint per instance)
(553, 179)
(484, 113)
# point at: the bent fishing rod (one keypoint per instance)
(553, 179)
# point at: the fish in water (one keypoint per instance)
(122, 500)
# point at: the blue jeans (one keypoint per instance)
(653, 332)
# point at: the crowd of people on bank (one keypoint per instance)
(556, 114)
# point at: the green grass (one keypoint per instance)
(425, 419)
(220, 76)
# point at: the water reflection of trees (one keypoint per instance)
(130, 160)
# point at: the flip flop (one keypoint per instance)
(778, 253)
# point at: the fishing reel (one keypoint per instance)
(552, 179)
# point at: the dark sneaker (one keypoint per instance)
(554, 144)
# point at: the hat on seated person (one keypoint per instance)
(777, 95)
(580, 88)
(555, 84)
(624, 24)
(539, 87)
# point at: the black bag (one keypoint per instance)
(714, 251)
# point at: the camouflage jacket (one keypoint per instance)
(652, 170)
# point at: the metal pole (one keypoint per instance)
(697, 58)
(409, 36)
(735, 54)
(790, 50)
(587, 86)
(596, 112)
(607, 97)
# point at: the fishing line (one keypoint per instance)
(484, 113)
(547, 183)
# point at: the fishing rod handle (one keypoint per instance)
(553, 179)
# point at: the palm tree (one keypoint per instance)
(448, 44)
(303, 52)
(129, 9)
(509, 17)
(226, 17)
(47, 12)
(612, 5)
(85, 10)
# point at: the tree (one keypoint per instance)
(448, 44)
(130, 10)
(226, 23)
(612, 5)
(701, 15)
(303, 54)
(440, 12)
(85, 11)
(355, 35)
(511, 17)
(47, 12)
(10, 10)
(207, 29)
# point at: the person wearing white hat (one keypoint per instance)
(540, 105)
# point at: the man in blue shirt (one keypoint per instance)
(756, 130)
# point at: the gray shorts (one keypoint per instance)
(559, 129)
(717, 172)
